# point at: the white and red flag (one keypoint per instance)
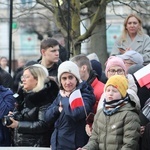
(75, 99)
(143, 76)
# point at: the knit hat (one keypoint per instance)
(114, 61)
(69, 67)
(93, 56)
(134, 56)
(96, 65)
(120, 82)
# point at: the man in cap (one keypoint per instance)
(132, 57)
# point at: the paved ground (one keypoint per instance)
(23, 148)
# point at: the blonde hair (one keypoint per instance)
(124, 32)
(40, 74)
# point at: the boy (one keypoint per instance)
(116, 126)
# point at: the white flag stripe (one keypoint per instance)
(74, 95)
(142, 72)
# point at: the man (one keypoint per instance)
(89, 75)
(50, 55)
(132, 57)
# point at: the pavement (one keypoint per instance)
(24, 148)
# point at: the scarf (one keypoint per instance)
(110, 107)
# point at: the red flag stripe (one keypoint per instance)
(76, 103)
(144, 80)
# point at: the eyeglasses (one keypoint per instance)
(24, 77)
(113, 71)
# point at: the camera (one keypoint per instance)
(6, 120)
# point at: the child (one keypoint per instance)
(116, 126)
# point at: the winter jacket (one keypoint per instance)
(146, 137)
(70, 124)
(141, 44)
(7, 103)
(120, 131)
(53, 70)
(97, 86)
(32, 129)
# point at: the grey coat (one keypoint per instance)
(141, 44)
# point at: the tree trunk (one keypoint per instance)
(98, 39)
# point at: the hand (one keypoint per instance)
(10, 113)
(60, 107)
(142, 130)
(128, 49)
(88, 130)
(14, 123)
(122, 51)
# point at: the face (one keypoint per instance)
(128, 63)
(3, 61)
(29, 82)
(51, 54)
(132, 25)
(112, 93)
(115, 70)
(68, 82)
(82, 71)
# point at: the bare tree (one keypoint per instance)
(67, 16)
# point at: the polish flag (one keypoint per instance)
(75, 99)
(143, 76)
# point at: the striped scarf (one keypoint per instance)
(109, 108)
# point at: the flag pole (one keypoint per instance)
(84, 108)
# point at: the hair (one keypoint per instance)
(124, 32)
(39, 74)
(3, 57)
(81, 60)
(48, 42)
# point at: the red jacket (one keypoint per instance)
(98, 87)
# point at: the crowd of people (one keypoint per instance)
(74, 104)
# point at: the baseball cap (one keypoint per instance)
(134, 56)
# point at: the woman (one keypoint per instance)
(133, 38)
(69, 132)
(115, 65)
(117, 125)
(36, 94)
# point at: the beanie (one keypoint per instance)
(120, 82)
(93, 56)
(114, 61)
(69, 67)
(96, 65)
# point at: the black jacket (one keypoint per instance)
(32, 129)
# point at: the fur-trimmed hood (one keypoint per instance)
(37, 99)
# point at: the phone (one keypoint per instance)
(121, 48)
(90, 118)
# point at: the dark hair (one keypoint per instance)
(48, 42)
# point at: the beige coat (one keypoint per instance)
(141, 44)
